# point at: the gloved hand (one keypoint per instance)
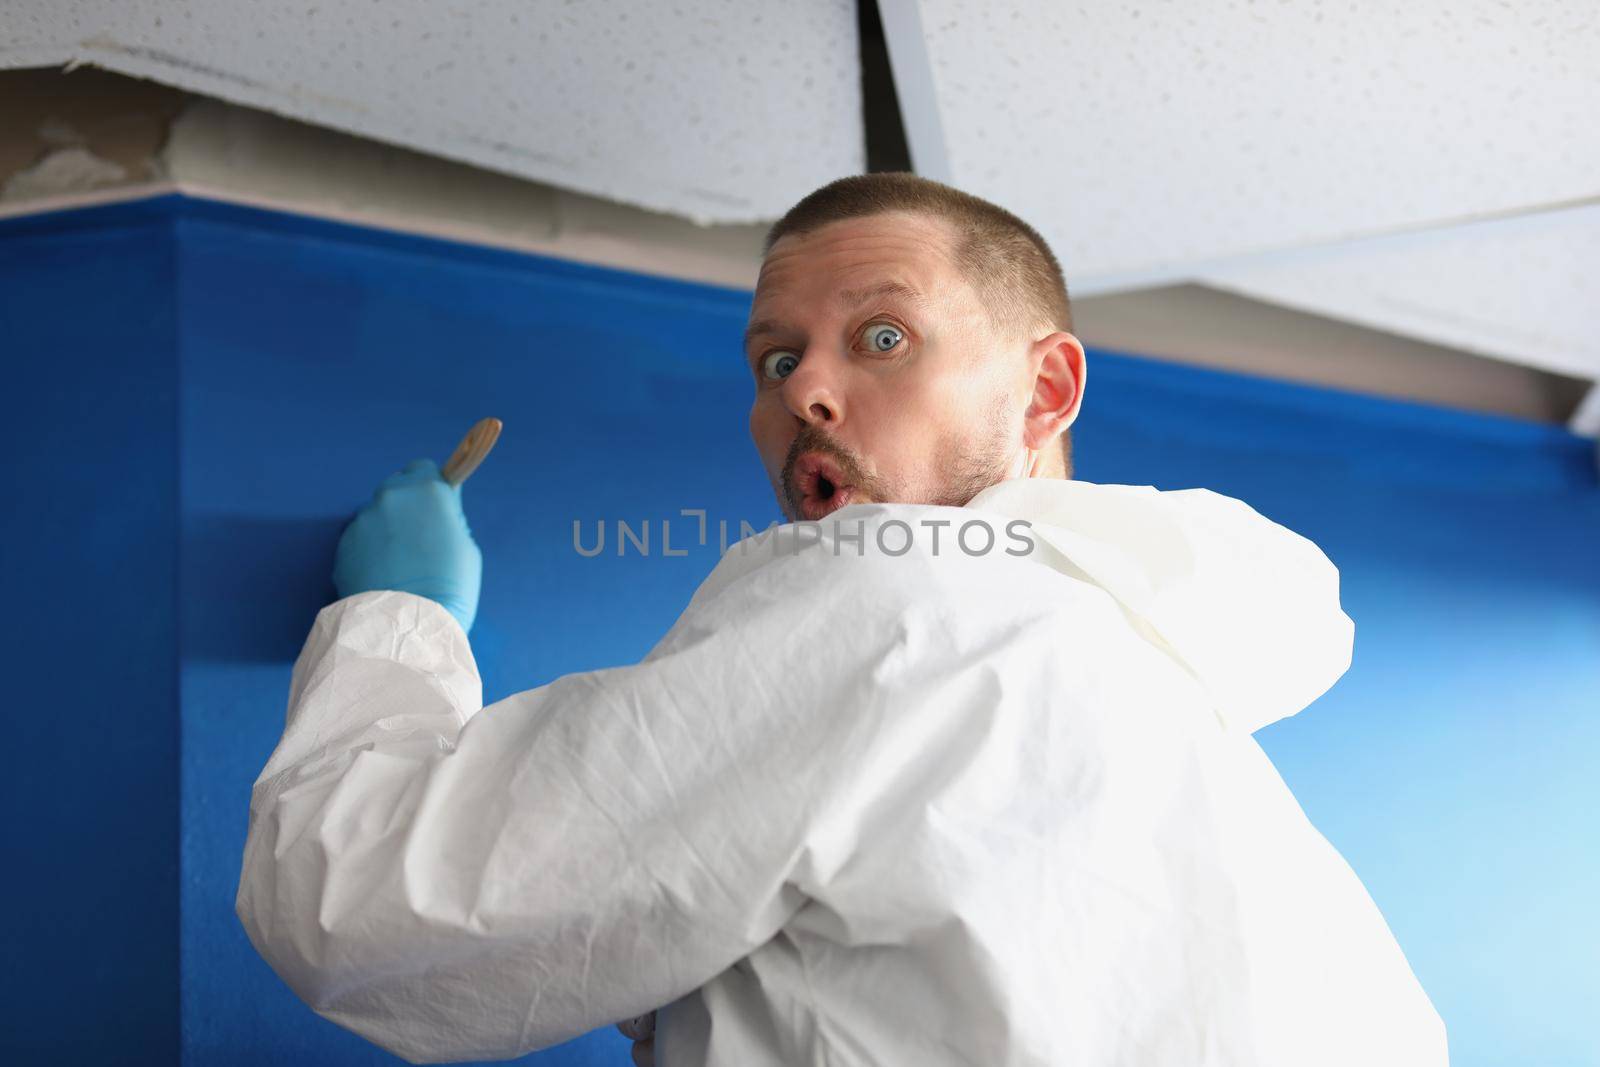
(413, 536)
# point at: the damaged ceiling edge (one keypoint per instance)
(369, 184)
(348, 117)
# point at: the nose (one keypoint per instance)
(812, 392)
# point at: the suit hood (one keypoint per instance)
(1248, 607)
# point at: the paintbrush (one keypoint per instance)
(471, 451)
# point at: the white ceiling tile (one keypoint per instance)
(1143, 137)
(720, 110)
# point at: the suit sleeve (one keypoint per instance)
(463, 883)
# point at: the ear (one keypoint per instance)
(1057, 388)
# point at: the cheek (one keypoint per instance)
(898, 428)
(918, 410)
(944, 417)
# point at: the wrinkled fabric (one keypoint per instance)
(855, 807)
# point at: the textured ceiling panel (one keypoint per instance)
(1525, 289)
(720, 110)
(1146, 137)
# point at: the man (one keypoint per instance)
(962, 776)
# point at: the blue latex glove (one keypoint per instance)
(413, 536)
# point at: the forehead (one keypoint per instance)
(853, 254)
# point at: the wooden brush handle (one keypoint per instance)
(470, 452)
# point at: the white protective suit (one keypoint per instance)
(855, 808)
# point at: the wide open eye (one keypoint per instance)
(882, 337)
(779, 364)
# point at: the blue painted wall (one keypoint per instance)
(88, 640)
(236, 382)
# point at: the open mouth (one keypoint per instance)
(821, 486)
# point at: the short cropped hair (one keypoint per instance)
(1010, 266)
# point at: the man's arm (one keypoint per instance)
(455, 883)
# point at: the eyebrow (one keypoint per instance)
(850, 298)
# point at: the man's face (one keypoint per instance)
(878, 374)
